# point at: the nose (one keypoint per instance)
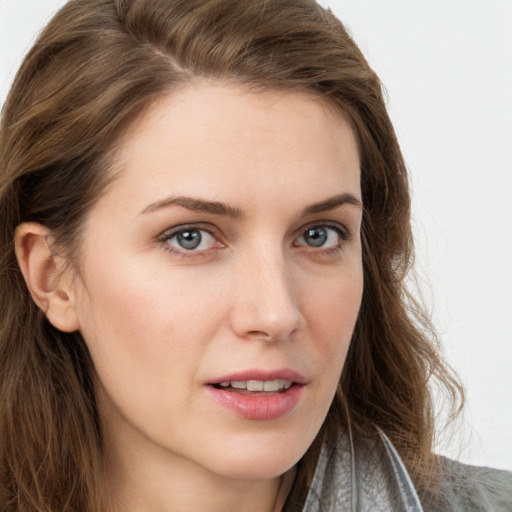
(265, 299)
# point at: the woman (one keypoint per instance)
(205, 216)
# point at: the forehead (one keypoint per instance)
(220, 137)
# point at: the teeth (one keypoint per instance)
(259, 385)
(271, 385)
(285, 384)
(255, 385)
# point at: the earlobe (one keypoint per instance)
(46, 275)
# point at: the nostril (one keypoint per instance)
(261, 334)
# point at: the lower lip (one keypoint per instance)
(258, 407)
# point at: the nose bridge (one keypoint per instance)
(266, 300)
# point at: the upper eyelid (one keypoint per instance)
(326, 223)
(200, 226)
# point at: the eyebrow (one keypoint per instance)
(332, 203)
(197, 205)
(218, 208)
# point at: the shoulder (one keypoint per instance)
(372, 476)
(471, 488)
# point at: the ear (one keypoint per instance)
(48, 279)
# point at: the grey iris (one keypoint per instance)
(316, 237)
(189, 239)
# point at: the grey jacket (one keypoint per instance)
(375, 479)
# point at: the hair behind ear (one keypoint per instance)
(50, 435)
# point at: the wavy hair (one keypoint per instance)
(95, 67)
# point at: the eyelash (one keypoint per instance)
(341, 230)
(168, 235)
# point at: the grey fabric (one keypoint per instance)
(374, 478)
(472, 488)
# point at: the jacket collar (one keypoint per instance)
(371, 478)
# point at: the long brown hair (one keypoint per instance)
(95, 67)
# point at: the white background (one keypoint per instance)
(447, 68)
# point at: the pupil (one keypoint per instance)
(316, 237)
(189, 239)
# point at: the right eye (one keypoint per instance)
(189, 240)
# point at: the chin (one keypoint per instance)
(255, 470)
(257, 459)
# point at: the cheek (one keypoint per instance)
(147, 338)
(331, 316)
(137, 319)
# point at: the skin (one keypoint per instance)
(162, 321)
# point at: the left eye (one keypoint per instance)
(191, 240)
(321, 236)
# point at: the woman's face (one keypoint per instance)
(221, 279)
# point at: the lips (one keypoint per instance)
(266, 386)
(262, 375)
(258, 394)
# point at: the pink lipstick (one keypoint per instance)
(258, 394)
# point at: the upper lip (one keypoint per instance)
(264, 375)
